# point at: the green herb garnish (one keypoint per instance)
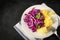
(38, 15)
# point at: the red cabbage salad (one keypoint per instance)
(34, 19)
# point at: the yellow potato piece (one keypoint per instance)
(51, 13)
(44, 12)
(47, 17)
(48, 22)
(42, 31)
(51, 22)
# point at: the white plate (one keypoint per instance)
(27, 32)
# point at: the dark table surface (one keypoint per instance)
(10, 14)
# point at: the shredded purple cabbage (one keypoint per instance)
(33, 22)
(34, 11)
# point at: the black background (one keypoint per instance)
(10, 14)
